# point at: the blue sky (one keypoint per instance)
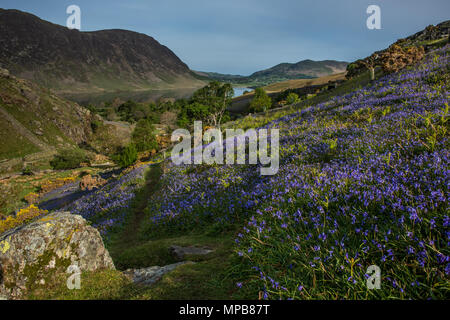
(244, 36)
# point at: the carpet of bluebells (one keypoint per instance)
(363, 180)
(108, 207)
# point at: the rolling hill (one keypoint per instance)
(302, 69)
(306, 69)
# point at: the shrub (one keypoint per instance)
(22, 217)
(132, 111)
(261, 102)
(68, 159)
(31, 198)
(292, 98)
(396, 58)
(96, 124)
(27, 171)
(144, 136)
(50, 185)
(127, 156)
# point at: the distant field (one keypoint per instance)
(241, 103)
(300, 83)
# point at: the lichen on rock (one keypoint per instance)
(37, 253)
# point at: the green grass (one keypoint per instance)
(211, 276)
(346, 87)
(208, 278)
(98, 285)
(14, 145)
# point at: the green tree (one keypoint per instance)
(144, 136)
(132, 111)
(292, 98)
(261, 102)
(127, 156)
(217, 97)
(68, 159)
(191, 112)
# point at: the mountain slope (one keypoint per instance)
(70, 60)
(32, 120)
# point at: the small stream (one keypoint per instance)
(61, 197)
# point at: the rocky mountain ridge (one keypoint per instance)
(72, 61)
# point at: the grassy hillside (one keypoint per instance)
(36, 121)
(363, 181)
(35, 124)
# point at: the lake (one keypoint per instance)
(138, 96)
(240, 91)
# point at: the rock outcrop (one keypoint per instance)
(151, 275)
(180, 252)
(39, 252)
(89, 182)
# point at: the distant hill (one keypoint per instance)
(306, 69)
(219, 76)
(73, 61)
(300, 83)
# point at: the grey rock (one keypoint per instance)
(4, 72)
(40, 251)
(151, 275)
(181, 252)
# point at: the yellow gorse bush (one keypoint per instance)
(22, 217)
(48, 185)
(32, 197)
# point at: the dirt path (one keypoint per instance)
(130, 234)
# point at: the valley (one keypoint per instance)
(86, 171)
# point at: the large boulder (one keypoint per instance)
(42, 251)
